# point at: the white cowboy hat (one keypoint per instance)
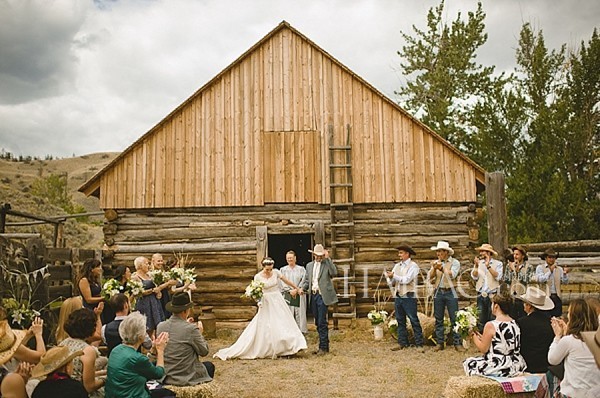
(537, 298)
(443, 245)
(592, 339)
(319, 250)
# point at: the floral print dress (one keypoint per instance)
(504, 356)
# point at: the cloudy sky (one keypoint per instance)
(83, 76)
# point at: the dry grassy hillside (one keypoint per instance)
(15, 185)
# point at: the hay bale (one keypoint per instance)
(205, 390)
(428, 326)
(478, 387)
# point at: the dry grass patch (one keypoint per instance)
(357, 366)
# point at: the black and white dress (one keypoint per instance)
(504, 356)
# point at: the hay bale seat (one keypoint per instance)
(478, 387)
(204, 390)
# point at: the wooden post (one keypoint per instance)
(496, 208)
(3, 209)
(319, 232)
(262, 244)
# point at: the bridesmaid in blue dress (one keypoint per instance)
(90, 285)
(149, 303)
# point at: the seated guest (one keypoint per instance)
(186, 344)
(110, 331)
(81, 328)
(67, 308)
(592, 340)
(581, 373)
(12, 384)
(128, 370)
(57, 366)
(536, 331)
(500, 344)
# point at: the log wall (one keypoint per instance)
(222, 243)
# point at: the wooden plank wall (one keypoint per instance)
(211, 150)
(221, 243)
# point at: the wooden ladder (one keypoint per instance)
(342, 226)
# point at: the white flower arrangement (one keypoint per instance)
(377, 316)
(134, 288)
(20, 313)
(254, 291)
(182, 275)
(111, 287)
(466, 321)
(159, 276)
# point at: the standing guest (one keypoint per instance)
(536, 331)
(273, 331)
(186, 344)
(149, 303)
(581, 375)
(67, 308)
(322, 292)
(442, 276)
(404, 277)
(57, 366)
(487, 274)
(552, 276)
(517, 275)
(81, 327)
(500, 344)
(128, 370)
(90, 285)
(297, 274)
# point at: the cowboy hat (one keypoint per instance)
(592, 339)
(55, 358)
(537, 298)
(522, 250)
(319, 250)
(488, 248)
(549, 252)
(9, 341)
(180, 302)
(443, 245)
(406, 248)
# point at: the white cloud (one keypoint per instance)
(80, 77)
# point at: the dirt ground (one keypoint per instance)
(357, 366)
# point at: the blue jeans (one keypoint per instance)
(484, 307)
(407, 307)
(319, 311)
(445, 299)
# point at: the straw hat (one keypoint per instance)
(592, 339)
(55, 358)
(9, 341)
(488, 248)
(442, 245)
(319, 250)
(537, 298)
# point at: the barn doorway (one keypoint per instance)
(279, 245)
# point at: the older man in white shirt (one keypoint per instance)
(297, 274)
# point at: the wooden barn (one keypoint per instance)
(285, 148)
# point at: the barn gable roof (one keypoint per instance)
(92, 186)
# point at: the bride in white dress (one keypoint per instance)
(273, 331)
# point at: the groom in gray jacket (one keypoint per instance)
(321, 292)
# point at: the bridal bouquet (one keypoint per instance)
(254, 290)
(377, 316)
(134, 288)
(466, 321)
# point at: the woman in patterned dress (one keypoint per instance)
(500, 343)
(149, 303)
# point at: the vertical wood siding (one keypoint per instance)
(258, 134)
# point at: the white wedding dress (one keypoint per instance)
(272, 332)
